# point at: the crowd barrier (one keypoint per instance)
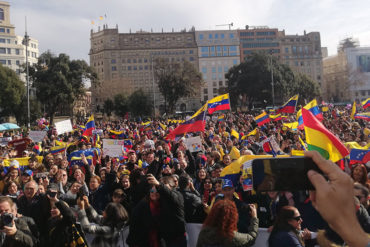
(193, 232)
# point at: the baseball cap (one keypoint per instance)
(227, 183)
(28, 173)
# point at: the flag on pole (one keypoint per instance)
(289, 107)
(219, 103)
(322, 140)
(366, 103)
(262, 119)
(195, 124)
(89, 126)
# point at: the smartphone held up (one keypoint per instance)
(282, 174)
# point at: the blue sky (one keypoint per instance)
(64, 25)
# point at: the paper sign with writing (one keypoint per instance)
(112, 147)
(63, 126)
(37, 136)
(194, 144)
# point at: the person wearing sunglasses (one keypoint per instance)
(287, 228)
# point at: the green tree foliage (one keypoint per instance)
(108, 107)
(12, 91)
(59, 80)
(176, 80)
(251, 81)
(120, 105)
(21, 112)
(140, 104)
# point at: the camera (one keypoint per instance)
(51, 193)
(6, 220)
(82, 192)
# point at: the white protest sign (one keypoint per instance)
(112, 147)
(98, 132)
(37, 136)
(63, 126)
(194, 144)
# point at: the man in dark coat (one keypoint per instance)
(194, 209)
(18, 234)
(172, 217)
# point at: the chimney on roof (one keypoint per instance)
(304, 32)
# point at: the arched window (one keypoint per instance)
(1, 14)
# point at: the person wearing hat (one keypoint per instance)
(132, 160)
(228, 190)
(27, 175)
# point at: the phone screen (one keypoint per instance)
(282, 174)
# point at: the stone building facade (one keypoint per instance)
(124, 62)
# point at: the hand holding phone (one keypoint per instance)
(283, 174)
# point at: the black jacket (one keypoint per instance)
(172, 217)
(142, 225)
(22, 238)
(194, 210)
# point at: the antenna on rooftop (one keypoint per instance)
(230, 25)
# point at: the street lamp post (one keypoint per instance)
(272, 81)
(26, 40)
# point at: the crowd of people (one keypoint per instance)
(58, 197)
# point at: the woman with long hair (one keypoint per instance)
(359, 174)
(220, 227)
(107, 227)
(286, 229)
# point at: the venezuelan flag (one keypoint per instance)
(276, 117)
(194, 124)
(289, 107)
(363, 116)
(366, 103)
(89, 126)
(23, 163)
(262, 119)
(322, 140)
(359, 156)
(314, 108)
(57, 149)
(219, 103)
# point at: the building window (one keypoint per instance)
(216, 35)
(8, 30)
(286, 49)
(17, 62)
(231, 35)
(235, 61)
(222, 36)
(9, 62)
(3, 61)
(220, 83)
(113, 61)
(205, 90)
(17, 51)
(191, 52)
(1, 14)
(128, 67)
(214, 84)
(201, 37)
(215, 91)
(2, 40)
(191, 58)
(226, 69)
(204, 70)
(129, 61)
(210, 36)
(2, 50)
(213, 69)
(2, 30)
(114, 68)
